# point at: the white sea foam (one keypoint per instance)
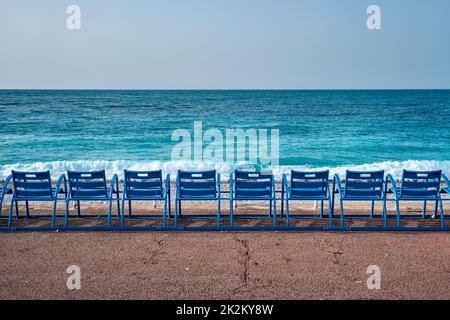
(58, 167)
(393, 167)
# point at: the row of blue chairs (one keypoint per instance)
(371, 186)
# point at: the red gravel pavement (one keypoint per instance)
(225, 265)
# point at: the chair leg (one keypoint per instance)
(17, 209)
(129, 208)
(270, 208)
(372, 207)
(436, 209)
(109, 212)
(27, 207)
(397, 209)
(118, 207)
(332, 203)
(424, 209)
(170, 206)
(287, 212)
(175, 217)
(385, 214)
(442, 214)
(342, 212)
(122, 217)
(330, 213)
(78, 209)
(231, 211)
(54, 213)
(282, 204)
(321, 209)
(274, 212)
(164, 222)
(10, 213)
(218, 212)
(66, 214)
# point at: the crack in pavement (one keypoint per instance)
(156, 253)
(160, 241)
(246, 255)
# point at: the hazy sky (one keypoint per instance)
(169, 44)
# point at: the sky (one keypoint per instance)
(225, 44)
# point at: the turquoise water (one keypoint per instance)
(61, 130)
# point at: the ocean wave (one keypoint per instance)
(170, 167)
(395, 168)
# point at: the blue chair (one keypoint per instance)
(446, 188)
(197, 186)
(145, 186)
(361, 186)
(307, 186)
(252, 186)
(3, 191)
(35, 186)
(91, 186)
(418, 186)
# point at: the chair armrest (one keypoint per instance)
(5, 185)
(3, 191)
(274, 194)
(177, 187)
(447, 183)
(337, 183)
(284, 180)
(114, 182)
(231, 185)
(390, 178)
(167, 188)
(284, 184)
(61, 179)
(218, 185)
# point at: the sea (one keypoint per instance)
(60, 130)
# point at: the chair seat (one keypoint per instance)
(42, 198)
(298, 197)
(136, 197)
(205, 197)
(362, 197)
(90, 197)
(311, 194)
(253, 198)
(413, 197)
(143, 193)
(253, 193)
(51, 197)
(93, 197)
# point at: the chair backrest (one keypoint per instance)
(420, 183)
(197, 183)
(32, 184)
(143, 183)
(252, 184)
(309, 184)
(87, 184)
(364, 184)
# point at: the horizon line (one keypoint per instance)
(223, 89)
